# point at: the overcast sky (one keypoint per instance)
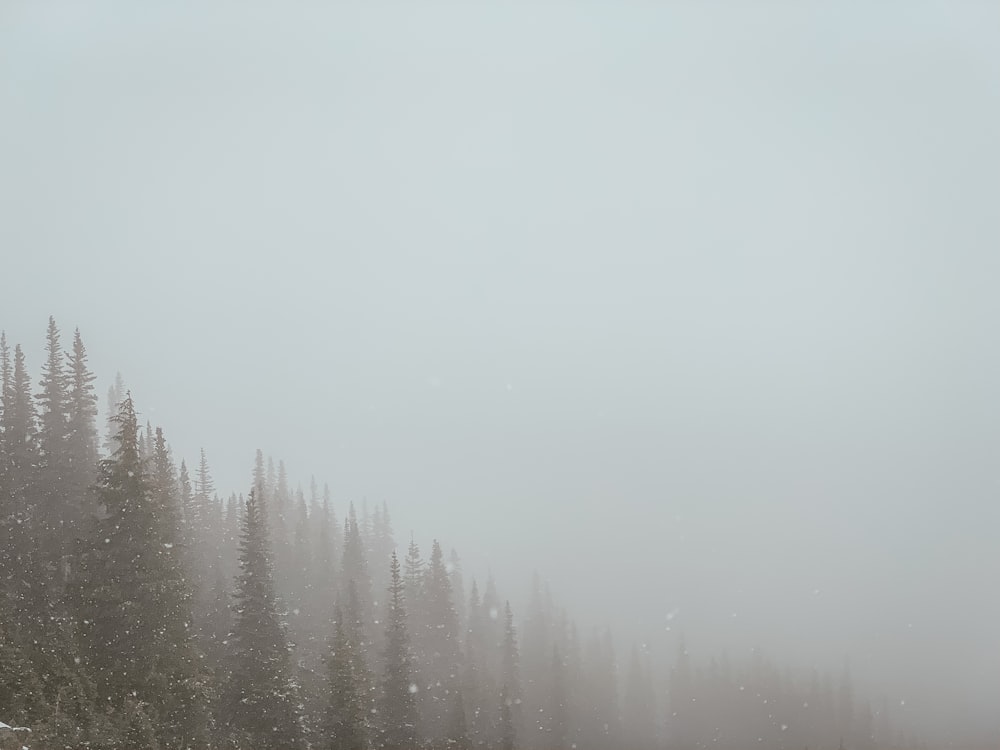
(693, 307)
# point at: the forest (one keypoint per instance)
(145, 608)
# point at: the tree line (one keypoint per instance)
(141, 610)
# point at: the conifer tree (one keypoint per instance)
(21, 693)
(457, 736)
(510, 694)
(347, 726)
(132, 592)
(398, 713)
(260, 707)
(413, 573)
(82, 403)
(638, 713)
(511, 668)
(457, 586)
(438, 647)
(507, 729)
(81, 438)
(52, 423)
(20, 430)
(20, 552)
(354, 567)
(116, 393)
(183, 721)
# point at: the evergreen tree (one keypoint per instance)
(82, 422)
(639, 714)
(81, 439)
(116, 393)
(558, 723)
(413, 573)
(20, 552)
(438, 647)
(183, 721)
(132, 592)
(354, 567)
(457, 736)
(53, 417)
(347, 726)
(260, 706)
(457, 586)
(507, 730)
(510, 694)
(399, 713)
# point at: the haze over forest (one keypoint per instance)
(690, 310)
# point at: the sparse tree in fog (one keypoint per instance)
(398, 713)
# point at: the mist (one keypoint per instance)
(690, 310)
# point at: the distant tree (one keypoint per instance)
(183, 719)
(260, 706)
(638, 706)
(457, 736)
(413, 573)
(53, 402)
(507, 729)
(438, 647)
(82, 420)
(511, 668)
(510, 694)
(558, 709)
(116, 393)
(354, 567)
(457, 586)
(398, 713)
(347, 725)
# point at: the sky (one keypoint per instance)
(690, 307)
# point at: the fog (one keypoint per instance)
(690, 308)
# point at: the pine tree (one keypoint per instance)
(82, 401)
(20, 552)
(457, 586)
(639, 716)
(81, 438)
(354, 567)
(511, 668)
(53, 418)
(558, 710)
(132, 592)
(116, 393)
(510, 693)
(21, 693)
(398, 714)
(457, 736)
(438, 646)
(259, 707)
(507, 730)
(183, 720)
(478, 687)
(347, 726)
